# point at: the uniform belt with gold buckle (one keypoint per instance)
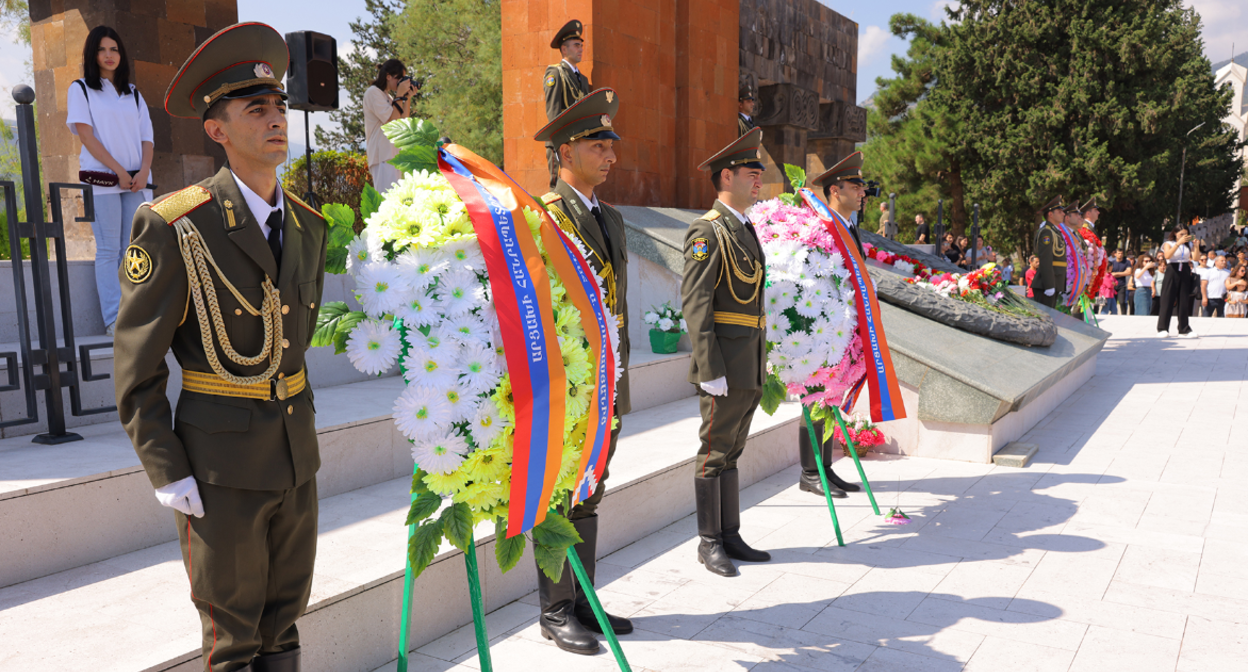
(281, 388)
(752, 321)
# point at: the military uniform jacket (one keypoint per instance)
(743, 125)
(233, 442)
(563, 86)
(1051, 248)
(570, 213)
(727, 335)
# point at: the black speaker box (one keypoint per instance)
(312, 81)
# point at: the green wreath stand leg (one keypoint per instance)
(474, 594)
(849, 443)
(599, 612)
(815, 447)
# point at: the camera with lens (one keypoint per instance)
(872, 190)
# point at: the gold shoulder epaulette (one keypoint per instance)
(307, 207)
(180, 203)
(711, 214)
(551, 197)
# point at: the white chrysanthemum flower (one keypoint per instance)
(431, 368)
(460, 292)
(808, 305)
(487, 424)
(463, 404)
(651, 317)
(777, 326)
(819, 264)
(374, 346)
(665, 324)
(781, 295)
(380, 289)
(465, 253)
(904, 266)
(440, 455)
(419, 311)
(420, 267)
(422, 412)
(462, 328)
(496, 340)
(360, 251)
(613, 328)
(478, 368)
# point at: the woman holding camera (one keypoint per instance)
(111, 119)
(1178, 252)
(389, 98)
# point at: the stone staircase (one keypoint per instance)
(91, 574)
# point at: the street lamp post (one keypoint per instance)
(1178, 215)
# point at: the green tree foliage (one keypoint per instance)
(1083, 98)
(915, 147)
(371, 45)
(337, 177)
(455, 46)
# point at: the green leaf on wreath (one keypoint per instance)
(345, 324)
(507, 551)
(550, 560)
(370, 202)
(424, 506)
(796, 175)
(423, 545)
(409, 132)
(336, 261)
(416, 159)
(457, 523)
(773, 394)
(327, 322)
(338, 216)
(419, 487)
(556, 532)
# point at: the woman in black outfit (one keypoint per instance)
(1178, 251)
(951, 250)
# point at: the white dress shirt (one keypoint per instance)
(260, 208)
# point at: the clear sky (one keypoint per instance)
(1224, 22)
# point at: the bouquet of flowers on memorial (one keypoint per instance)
(902, 263)
(984, 287)
(665, 318)
(1097, 262)
(814, 351)
(864, 433)
(428, 305)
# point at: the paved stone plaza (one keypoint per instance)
(1120, 547)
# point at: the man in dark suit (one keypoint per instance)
(564, 83)
(238, 460)
(584, 137)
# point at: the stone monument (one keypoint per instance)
(158, 35)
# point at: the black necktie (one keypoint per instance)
(275, 236)
(602, 226)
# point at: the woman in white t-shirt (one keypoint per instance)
(387, 99)
(1179, 252)
(109, 116)
(1144, 283)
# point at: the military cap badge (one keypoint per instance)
(263, 70)
(700, 246)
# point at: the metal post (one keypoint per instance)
(1178, 215)
(310, 196)
(975, 238)
(48, 355)
(940, 225)
(892, 211)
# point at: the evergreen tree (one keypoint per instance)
(456, 47)
(371, 45)
(1082, 98)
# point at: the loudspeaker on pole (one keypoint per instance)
(312, 81)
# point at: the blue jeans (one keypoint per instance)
(114, 213)
(1111, 306)
(1143, 300)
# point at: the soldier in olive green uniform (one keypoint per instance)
(1050, 280)
(722, 300)
(563, 83)
(584, 136)
(746, 103)
(238, 459)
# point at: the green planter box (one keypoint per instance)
(663, 342)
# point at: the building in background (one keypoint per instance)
(1235, 73)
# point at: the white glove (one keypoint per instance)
(1049, 292)
(715, 388)
(183, 496)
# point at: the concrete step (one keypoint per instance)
(131, 612)
(82, 502)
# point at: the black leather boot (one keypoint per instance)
(810, 469)
(710, 527)
(730, 517)
(587, 551)
(558, 622)
(285, 661)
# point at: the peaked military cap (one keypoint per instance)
(745, 92)
(849, 169)
(570, 31)
(1072, 206)
(1091, 205)
(1054, 203)
(241, 61)
(590, 117)
(744, 151)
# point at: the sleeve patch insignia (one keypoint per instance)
(138, 264)
(550, 81)
(700, 247)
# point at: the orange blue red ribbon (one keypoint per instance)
(885, 390)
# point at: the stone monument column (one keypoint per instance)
(841, 125)
(159, 35)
